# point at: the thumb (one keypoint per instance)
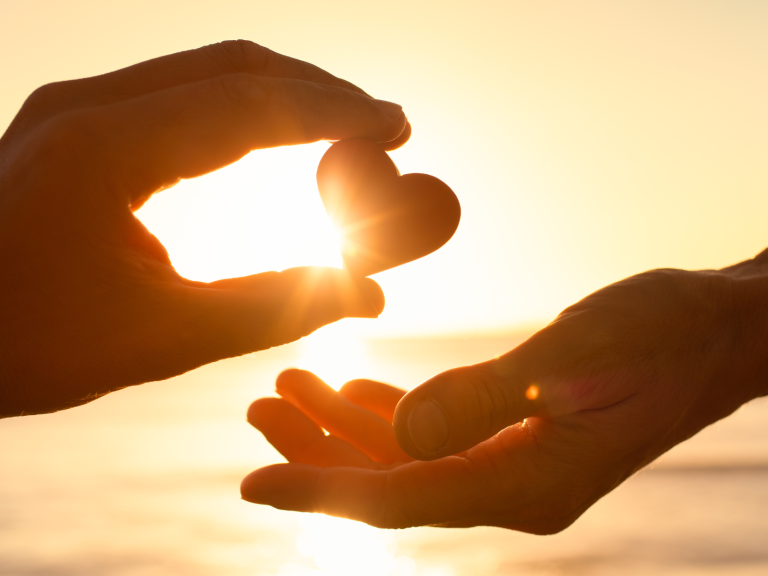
(243, 315)
(462, 407)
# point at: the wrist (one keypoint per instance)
(749, 309)
(751, 301)
(7, 401)
(9, 391)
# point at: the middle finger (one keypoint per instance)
(189, 66)
(300, 440)
(340, 417)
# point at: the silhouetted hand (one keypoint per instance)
(549, 428)
(89, 301)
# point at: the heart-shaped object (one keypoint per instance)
(385, 219)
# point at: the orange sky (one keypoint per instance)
(586, 141)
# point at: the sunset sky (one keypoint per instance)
(587, 141)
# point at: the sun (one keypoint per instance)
(337, 235)
(261, 213)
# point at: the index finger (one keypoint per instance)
(511, 481)
(149, 143)
(299, 439)
(379, 398)
(340, 417)
(229, 57)
(415, 494)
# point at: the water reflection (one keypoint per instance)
(339, 547)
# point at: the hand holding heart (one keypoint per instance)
(89, 301)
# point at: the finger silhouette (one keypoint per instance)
(355, 493)
(414, 494)
(190, 66)
(299, 439)
(555, 372)
(241, 315)
(340, 417)
(519, 479)
(150, 142)
(379, 398)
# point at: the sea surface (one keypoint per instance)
(145, 482)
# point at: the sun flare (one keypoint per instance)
(336, 354)
(261, 213)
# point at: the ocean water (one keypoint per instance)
(146, 482)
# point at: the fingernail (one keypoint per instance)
(428, 427)
(374, 295)
(368, 301)
(392, 110)
(405, 135)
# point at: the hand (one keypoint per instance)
(89, 300)
(549, 428)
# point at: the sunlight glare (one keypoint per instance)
(336, 354)
(532, 392)
(342, 547)
(339, 237)
(261, 213)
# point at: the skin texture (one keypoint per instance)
(620, 378)
(89, 300)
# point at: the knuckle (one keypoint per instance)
(44, 98)
(240, 55)
(42, 104)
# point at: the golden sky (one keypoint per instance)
(586, 141)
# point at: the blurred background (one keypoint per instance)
(586, 141)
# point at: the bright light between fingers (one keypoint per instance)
(261, 213)
(338, 236)
(335, 354)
